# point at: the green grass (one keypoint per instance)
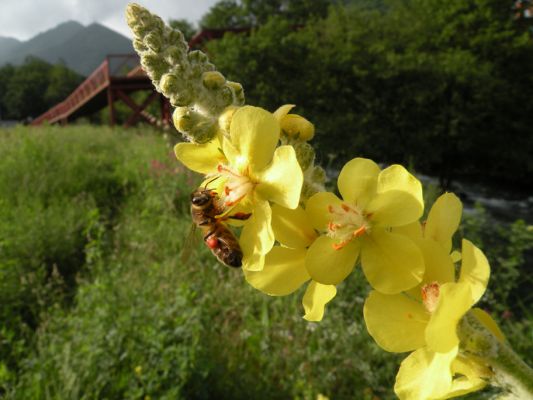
(96, 304)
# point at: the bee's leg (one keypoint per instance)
(209, 234)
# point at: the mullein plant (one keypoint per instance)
(262, 164)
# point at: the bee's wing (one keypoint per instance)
(189, 244)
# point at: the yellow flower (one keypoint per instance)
(402, 322)
(427, 375)
(428, 324)
(284, 270)
(373, 202)
(293, 125)
(252, 172)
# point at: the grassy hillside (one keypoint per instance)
(96, 304)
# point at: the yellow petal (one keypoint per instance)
(475, 270)
(439, 265)
(282, 111)
(202, 158)
(456, 256)
(327, 265)
(413, 230)
(397, 178)
(443, 219)
(257, 237)
(454, 302)
(357, 181)
(399, 198)
(317, 208)
(255, 133)
(292, 227)
(315, 299)
(253, 261)
(489, 323)
(394, 208)
(425, 375)
(396, 322)
(281, 182)
(283, 273)
(468, 376)
(392, 263)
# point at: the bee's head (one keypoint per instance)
(201, 198)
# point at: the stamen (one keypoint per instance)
(430, 296)
(359, 232)
(338, 246)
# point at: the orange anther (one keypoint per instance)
(345, 207)
(338, 246)
(359, 232)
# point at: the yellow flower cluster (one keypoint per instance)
(294, 232)
(289, 240)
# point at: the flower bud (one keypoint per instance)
(169, 84)
(297, 127)
(213, 79)
(238, 92)
(194, 126)
(305, 154)
(224, 121)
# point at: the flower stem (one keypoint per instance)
(511, 373)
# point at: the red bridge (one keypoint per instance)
(117, 78)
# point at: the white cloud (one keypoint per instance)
(24, 19)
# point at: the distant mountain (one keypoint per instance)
(81, 48)
(42, 42)
(7, 44)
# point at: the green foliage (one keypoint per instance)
(247, 13)
(32, 88)
(225, 14)
(57, 190)
(185, 26)
(442, 87)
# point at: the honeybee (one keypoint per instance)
(206, 214)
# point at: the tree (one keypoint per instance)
(186, 27)
(6, 73)
(441, 87)
(34, 87)
(61, 82)
(225, 14)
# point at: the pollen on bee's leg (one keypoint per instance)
(212, 242)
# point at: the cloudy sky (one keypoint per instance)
(23, 19)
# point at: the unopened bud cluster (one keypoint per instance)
(187, 78)
(297, 131)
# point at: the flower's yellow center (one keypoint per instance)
(237, 184)
(346, 222)
(430, 296)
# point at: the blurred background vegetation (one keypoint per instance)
(94, 301)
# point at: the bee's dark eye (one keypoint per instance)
(200, 200)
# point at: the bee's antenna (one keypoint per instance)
(212, 180)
